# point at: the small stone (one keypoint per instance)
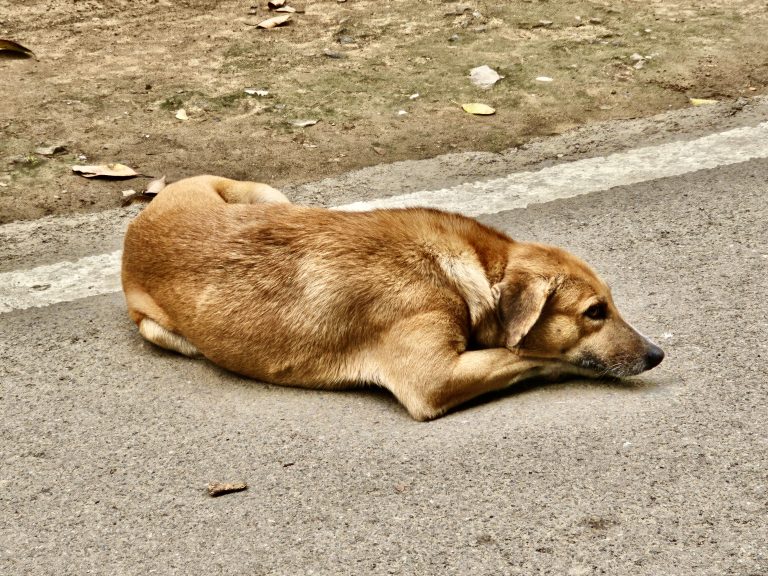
(50, 150)
(595, 20)
(333, 54)
(303, 123)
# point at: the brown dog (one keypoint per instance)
(434, 307)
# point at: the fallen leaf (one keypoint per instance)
(181, 114)
(219, 488)
(155, 186)
(15, 48)
(50, 150)
(105, 171)
(303, 123)
(479, 109)
(701, 101)
(484, 77)
(273, 22)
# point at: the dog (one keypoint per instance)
(433, 306)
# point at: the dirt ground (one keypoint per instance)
(109, 78)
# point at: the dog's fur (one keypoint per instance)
(435, 307)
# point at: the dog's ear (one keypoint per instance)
(521, 300)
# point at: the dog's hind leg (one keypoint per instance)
(164, 338)
(154, 324)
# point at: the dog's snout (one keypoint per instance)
(653, 356)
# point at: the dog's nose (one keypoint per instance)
(653, 357)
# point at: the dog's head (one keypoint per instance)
(552, 305)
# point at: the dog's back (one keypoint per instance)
(284, 292)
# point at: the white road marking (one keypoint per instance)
(94, 275)
(60, 282)
(522, 189)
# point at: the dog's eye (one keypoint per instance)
(597, 311)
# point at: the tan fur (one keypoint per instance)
(433, 306)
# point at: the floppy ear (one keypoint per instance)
(521, 300)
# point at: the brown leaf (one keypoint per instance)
(15, 48)
(155, 186)
(105, 171)
(273, 22)
(219, 488)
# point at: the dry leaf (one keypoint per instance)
(273, 22)
(479, 109)
(219, 488)
(303, 123)
(701, 101)
(105, 171)
(181, 114)
(15, 48)
(155, 186)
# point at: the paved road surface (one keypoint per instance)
(107, 443)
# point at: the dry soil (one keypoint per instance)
(384, 80)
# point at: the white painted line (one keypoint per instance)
(585, 176)
(93, 275)
(60, 282)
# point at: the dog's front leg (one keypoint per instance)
(431, 392)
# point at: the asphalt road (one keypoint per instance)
(107, 443)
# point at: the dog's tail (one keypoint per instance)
(242, 192)
(215, 189)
